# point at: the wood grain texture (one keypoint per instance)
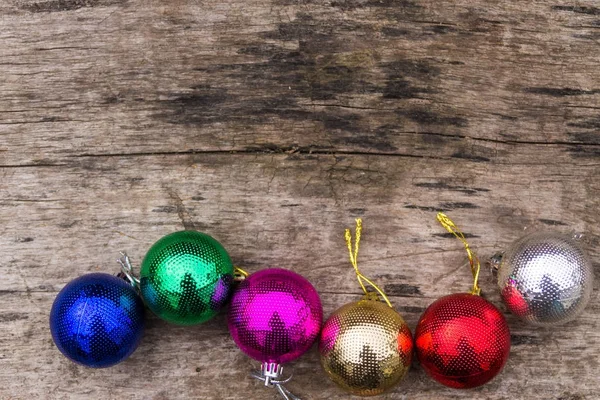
(271, 124)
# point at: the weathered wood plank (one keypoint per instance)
(203, 363)
(281, 210)
(270, 125)
(430, 77)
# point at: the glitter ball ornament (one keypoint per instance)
(186, 277)
(275, 316)
(462, 340)
(97, 320)
(365, 346)
(545, 278)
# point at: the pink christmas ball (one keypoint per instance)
(275, 315)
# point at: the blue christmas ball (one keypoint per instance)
(97, 320)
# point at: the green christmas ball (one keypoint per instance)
(186, 277)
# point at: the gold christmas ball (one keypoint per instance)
(366, 347)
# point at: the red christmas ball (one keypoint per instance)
(462, 340)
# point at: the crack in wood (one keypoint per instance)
(578, 9)
(68, 5)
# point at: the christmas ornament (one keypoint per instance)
(97, 320)
(274, 317)
(544, 278)
(366, 347)
(186, 277)
(462, 340)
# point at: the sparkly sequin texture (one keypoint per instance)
(366, 347)
(275, 315)
(186, 277)
(545, 279)
(97, 320)
(462, 340)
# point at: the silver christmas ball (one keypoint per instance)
(545, 278)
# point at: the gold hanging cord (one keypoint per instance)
(239, 274)
(473, 260)
(354, 261)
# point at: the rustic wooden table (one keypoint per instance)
(271, 124)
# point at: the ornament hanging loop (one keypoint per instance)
(239, 274)
(451, 227)
(127, 271)
(271, 374)
(353, 253)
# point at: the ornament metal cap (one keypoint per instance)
(494, 263)
(271, 374)
(127, 271)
